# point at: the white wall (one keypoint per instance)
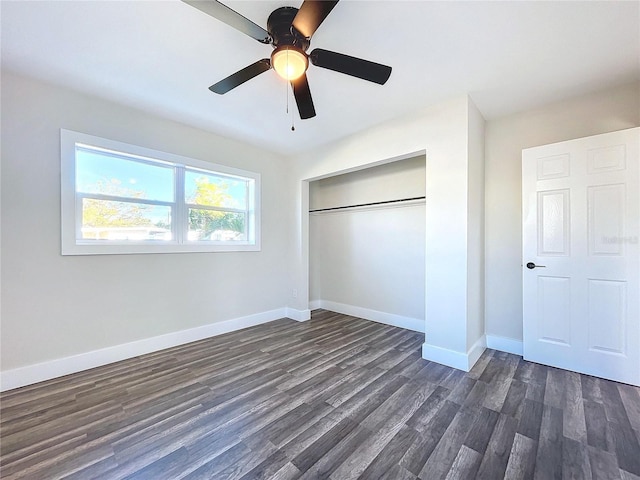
(370, 261)
(55, 306)
(442, 132)
(601, 112)
(390, 181)
(475, 229)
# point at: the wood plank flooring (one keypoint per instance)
(336, 397)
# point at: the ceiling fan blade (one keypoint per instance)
(232, 18)
(356, 67)
(303, 97)
(311, 14)
(241, 76)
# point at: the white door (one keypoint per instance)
(581, 215)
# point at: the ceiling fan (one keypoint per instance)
(289, 32)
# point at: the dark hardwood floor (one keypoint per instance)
(336, 397)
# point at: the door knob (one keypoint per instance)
(532, 265)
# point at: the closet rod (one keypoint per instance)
(367, 204)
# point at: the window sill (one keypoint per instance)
(146, 249)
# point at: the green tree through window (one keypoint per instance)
(205, 221)
(101, 213)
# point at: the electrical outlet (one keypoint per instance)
(294, 293)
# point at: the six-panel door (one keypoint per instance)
(581, 215)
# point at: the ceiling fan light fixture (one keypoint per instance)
(289, 62)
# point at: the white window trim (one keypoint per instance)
(69, 217)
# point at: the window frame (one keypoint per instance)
(71, 201)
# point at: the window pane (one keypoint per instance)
(108, 220)
(217, 226)
(215, 191)
(107, 174)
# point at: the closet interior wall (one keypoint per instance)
(370, 260)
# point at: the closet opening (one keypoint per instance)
(367, 243)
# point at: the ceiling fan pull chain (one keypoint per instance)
(292, 117)
(292, 127)
(287, 82)
(286, 87)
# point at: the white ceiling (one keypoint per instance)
(161, 56)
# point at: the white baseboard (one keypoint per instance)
(415, 324)
(314, 304)
(28, 375)
(505, 344)
(476, 351)
(298, 315)
(451, 358)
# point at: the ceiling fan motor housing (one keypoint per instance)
(282, 32)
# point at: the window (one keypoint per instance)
(120, 198)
